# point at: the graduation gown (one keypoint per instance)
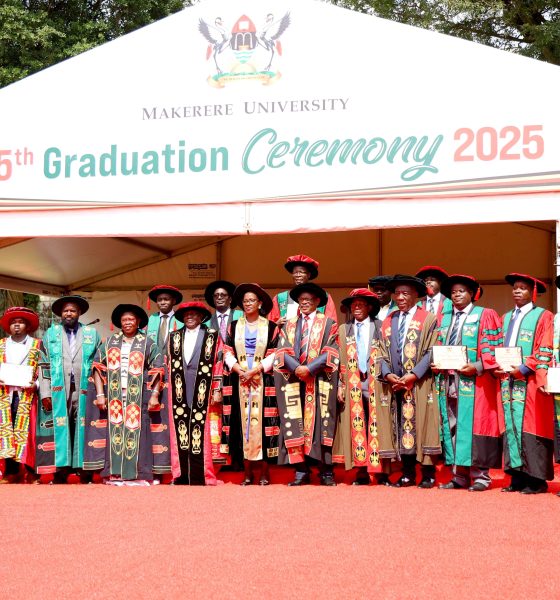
(259, 425)
(127, 440)
(195, 421)
(417, 430)
(526, 413)
(307, 409)
(54, 444)
(355, 443)
(477, 440)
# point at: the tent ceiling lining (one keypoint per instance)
(145, 246)
(7, 242)
(86, 284)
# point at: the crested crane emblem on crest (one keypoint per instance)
(244, 52)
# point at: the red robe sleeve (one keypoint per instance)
(541, 358)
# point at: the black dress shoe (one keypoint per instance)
(541, 489)
(478, 487)
(511, 488)
(404, 482)
(427, 483)
(383, 480)
(361, 481)
(296, 482)
(328, 480)
(450, 485)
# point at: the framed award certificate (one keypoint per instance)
(508, 358)
(553, 380)
(16, 375)
(449, 358)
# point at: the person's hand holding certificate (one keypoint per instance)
(508, 358)
(449, 358)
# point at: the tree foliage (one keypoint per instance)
(529, 27)
(35, 34)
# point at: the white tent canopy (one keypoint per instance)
(278, 117)
(353, 110)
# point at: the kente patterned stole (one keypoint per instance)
(298, 447)
(365, 448)
(410, 352)
(251, 398)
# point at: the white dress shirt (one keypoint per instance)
(190, 343)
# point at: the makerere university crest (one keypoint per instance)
(245, 52)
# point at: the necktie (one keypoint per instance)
(402, 330)
(72, 342)
(72, 345)
(162, 333)
(431, 305)
(223, 326)
(362, 347)
(455, 329)
(304, 341)
(511, 326)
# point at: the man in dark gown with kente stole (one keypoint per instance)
(306, 379)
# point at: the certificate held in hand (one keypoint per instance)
(508, 358)
(449, 358)
(16, 375)
(553, 380)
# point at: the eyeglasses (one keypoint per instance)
(220, 295)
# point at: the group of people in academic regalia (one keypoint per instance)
(244, 381)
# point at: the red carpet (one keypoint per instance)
(96, 541)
